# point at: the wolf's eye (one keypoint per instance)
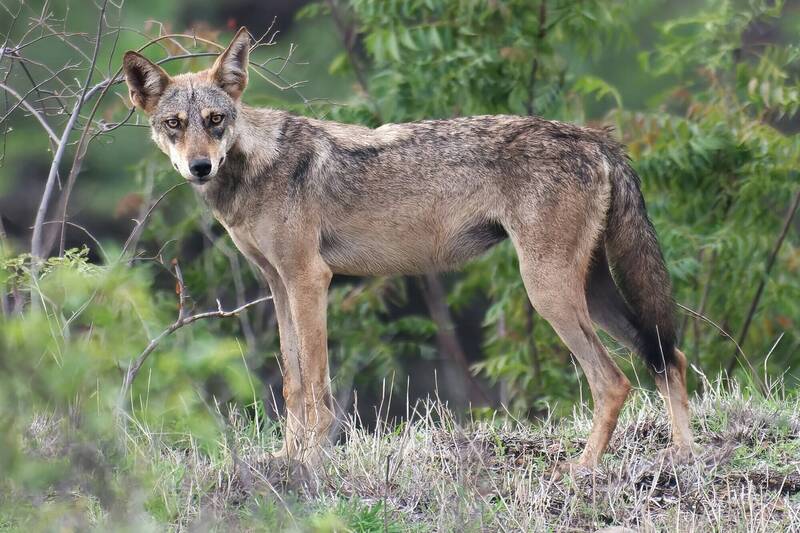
(216, 119)
(172, 123)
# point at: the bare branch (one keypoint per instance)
(182, 320)
(73, 174)
(36, 239)
(787, 224)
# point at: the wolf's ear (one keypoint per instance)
(146, 81)
(229, 71)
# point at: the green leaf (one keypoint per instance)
(407, 39)
(392, 45)
(592, 85)
(436, 40)
(339, 64)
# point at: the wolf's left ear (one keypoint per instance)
(146, 80)
(229, 71)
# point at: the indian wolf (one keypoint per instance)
(305, 199)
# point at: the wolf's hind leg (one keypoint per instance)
(606, 305)
(610, 312)
(671, 384)
(556, 289)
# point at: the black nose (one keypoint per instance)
(200, 167)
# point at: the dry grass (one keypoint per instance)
(434, 474)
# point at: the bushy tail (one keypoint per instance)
(638, 267)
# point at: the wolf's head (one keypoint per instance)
(192, 116)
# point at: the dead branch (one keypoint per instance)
(36, 239)
(32, 110)
(65, 90)
(86, 232)
(787, 224)
(182, 320)
(73, 174)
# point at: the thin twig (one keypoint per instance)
(33, 111)
(787, 224)
(136, 233)
(739, 351)
(182, 320)
(38, 88)
(85, 230)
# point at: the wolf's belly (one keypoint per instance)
(411, 249)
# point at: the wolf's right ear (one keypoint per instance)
(146, 81)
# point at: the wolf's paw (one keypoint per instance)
(574, 469)
(281, 454)
(274, 458)
(276, 454)
(680, 455)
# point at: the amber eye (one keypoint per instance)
(172, 123)
(216, 119)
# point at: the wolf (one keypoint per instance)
(304, 199)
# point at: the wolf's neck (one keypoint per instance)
(251, 158)
(256, 147)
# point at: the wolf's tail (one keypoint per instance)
(638, 266)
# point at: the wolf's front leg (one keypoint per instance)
(290, 366)
(307, 284)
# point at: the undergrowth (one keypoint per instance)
(429, 473)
